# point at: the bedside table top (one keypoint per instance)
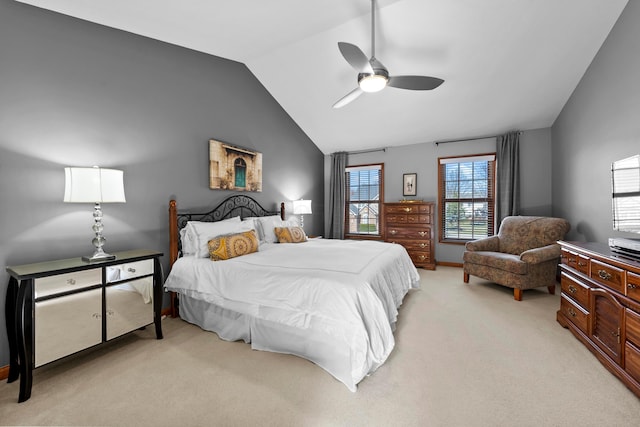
(48, 268)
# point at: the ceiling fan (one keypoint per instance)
(373, 76)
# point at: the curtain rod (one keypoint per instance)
(470, 139)
(374, 150)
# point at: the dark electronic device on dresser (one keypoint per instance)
(625, 203)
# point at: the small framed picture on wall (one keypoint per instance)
(409, 181)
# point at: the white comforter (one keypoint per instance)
(347, 289)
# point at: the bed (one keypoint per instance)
(333, 302)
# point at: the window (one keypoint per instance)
(363, 195)
(466, 190)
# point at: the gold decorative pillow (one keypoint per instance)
(233, 245)
(290, 234)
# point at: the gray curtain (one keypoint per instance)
(337, 196)
(508, 175)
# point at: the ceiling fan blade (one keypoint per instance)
(348, 98)
(414, 82)
(355, 57)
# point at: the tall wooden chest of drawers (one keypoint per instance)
(600, 304)
(411, 225)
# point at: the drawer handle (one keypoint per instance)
(407, 209)
(422, 233)
(393, 231)
(421, 257)
(616, 334)
(573, 289)
(422, 245)
(71, 281)
(632, 286)
(96, 315)
(131, 270)
(571, 312)
(582, 264)
(604, 275)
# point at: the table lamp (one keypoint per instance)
(94, 185)
(301, 207)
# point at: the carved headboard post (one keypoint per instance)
(173, 232)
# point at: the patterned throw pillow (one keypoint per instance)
(290, 234)
(233, 245)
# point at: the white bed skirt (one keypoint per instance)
(316, 346)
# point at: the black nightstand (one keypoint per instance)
(57, 308)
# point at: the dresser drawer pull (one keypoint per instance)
(572, 261)
(422, 233)
(71, 281)
(407, 209)
(393, 231)
(632, 286)
(421, 257)
(573, 289)
(604, 275)
(422, 245)
(131, 270)
(582, 264)
(571, 312)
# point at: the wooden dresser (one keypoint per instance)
(600, 304)
(411, 225)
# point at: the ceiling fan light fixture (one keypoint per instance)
(372, 82)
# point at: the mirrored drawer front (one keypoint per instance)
(67, 282)
(129, 306)
(129, 270)
(66, 325)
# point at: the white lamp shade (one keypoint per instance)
(93, 185)
(301, 207)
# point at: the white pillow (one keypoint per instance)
(256, 226)
(268, 223)
(197, 234)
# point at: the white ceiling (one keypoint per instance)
(507, 64)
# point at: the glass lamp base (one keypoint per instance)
(99, 256)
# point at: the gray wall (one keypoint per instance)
(535, 153)
(74, 93)
(598, 125)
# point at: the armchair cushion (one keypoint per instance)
(497, 260)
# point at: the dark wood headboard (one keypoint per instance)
(237, 205)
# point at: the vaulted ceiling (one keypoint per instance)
(507, 64)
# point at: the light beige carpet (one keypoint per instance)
(465, 355)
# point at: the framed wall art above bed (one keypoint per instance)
(234, 168)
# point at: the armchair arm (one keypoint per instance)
(489, 244)
(538, 255)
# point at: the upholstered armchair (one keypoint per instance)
(523, 255)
